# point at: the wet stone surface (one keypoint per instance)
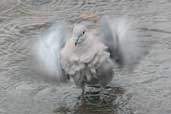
(147, 90)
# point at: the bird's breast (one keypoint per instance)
(84, 57)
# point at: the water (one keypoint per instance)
(146, 91)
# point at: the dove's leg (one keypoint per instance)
(83, 91)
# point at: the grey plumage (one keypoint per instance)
(85, 56)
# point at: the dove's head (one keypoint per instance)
(79, 33)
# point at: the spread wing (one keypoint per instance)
(47, 52)
(123, 43)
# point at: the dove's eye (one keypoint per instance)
(83, 32)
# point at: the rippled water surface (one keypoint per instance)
(146, 91)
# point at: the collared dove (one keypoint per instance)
(87, 57)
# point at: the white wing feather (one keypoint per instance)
(47, 52)
(123, 42)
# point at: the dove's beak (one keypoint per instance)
(76, 42)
